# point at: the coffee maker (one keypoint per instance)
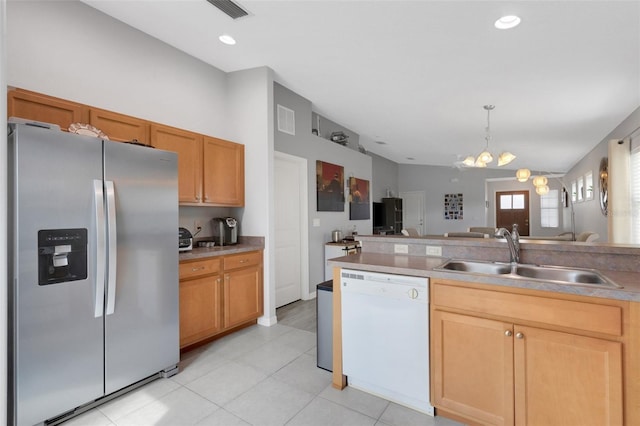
(225, 230)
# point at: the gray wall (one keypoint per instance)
(587, 213)
(436, 181)
(385, 177)
(306, 145)
(535, 229)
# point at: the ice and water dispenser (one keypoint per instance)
(62, 255)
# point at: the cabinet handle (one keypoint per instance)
(197, 269)
(243, 261)
(197, 198)
(508, 333)
(206, 198)
(519, 336)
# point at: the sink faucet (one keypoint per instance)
(513, 241)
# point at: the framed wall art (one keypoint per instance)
(329, 187)
(359, 206)
(453, 207)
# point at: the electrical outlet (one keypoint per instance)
(197, 225)
(401, 248)
(434, 251)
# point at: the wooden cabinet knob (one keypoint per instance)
(508, 333)
(519, 336)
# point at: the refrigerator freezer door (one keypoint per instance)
(53, 321)
(142, 334)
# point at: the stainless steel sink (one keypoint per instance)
(570, 275)
(556, 274)
(477, 267)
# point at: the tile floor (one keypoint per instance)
(257, 376)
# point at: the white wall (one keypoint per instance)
(436, 181)
(250, 106)
(70, 50)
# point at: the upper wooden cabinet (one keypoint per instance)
(188, 146)
(223, 172)
(47, 109)
(210, 170)
(119, 127)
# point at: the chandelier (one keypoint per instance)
(485, 157)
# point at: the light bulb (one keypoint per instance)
(485, 157)
(539, 181)
(505, 158)
(542, 190)
(523, 175)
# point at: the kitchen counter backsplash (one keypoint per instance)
(602, 256)
(245, 243)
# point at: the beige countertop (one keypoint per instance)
(202, 252)
(422, 266)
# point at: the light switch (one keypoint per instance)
(316, 222)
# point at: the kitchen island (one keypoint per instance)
(516, 351)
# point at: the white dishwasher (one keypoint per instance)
(385, 336)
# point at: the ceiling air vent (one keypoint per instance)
(230, 8)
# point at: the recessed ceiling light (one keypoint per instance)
(381, 142)
(507, 22)
(227, 39)
(410, 158)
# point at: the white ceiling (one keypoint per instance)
(416, 74)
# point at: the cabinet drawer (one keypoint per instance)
(242, 260)
(577, 315)
(199, 268)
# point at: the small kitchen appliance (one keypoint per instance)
(225, 230)
(185, 239)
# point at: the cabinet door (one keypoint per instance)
(242, 296)
(472, 367)
(223, 177)
(189, 148)
(118, 127)
(564, 379)
(47, 109)
(200, 309)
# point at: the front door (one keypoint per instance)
(513, 207)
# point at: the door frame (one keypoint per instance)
(415, 194)
(303, 211)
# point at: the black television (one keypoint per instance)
(378, 215)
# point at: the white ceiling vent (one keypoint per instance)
(286, 120)
(230, 8)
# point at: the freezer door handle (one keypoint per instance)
(112, 244)
(101, 249)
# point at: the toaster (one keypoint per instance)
(225, 230)
(185, 239)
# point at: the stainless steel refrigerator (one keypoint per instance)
(93, 270)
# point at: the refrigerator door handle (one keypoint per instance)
(112, 244)
(101, 249)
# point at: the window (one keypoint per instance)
(549, 210)
(588, 185)
(580, 189)
(574, 192)
(512, 201)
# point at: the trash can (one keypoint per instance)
(324, 331)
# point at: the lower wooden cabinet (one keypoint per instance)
(242, 289)
(511, 363)
(218, 294)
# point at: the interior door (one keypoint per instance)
(513, 207)
(288, 253)
(413, 210)
(141, 315)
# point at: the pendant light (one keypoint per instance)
(523, 175)
(485, 157)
